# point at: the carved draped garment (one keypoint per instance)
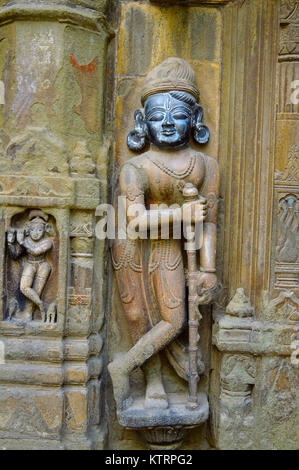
(150, 273)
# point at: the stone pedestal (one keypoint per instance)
(165, 429)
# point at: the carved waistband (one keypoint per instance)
(35, 259)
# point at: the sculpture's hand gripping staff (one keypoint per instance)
(190, 193)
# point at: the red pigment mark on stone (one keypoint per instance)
(89, 67)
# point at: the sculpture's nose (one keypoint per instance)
(168, 121)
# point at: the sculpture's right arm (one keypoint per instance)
(133, 187)
(14, 248)
(38, 249)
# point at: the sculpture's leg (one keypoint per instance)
(26, 289)
(130, 284)
(41, 278)
(168, 285)
(172, 312)
(130, 288)
(155, 396)
(151, 343)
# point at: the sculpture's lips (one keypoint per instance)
(168, 132)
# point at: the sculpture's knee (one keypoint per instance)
(24, 289)
(179, 322)
(44, 270)
(24, 285)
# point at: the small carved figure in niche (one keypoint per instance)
(288, 244)
(32, 243)
(150, 273)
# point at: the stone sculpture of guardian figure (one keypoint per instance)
(151, 272)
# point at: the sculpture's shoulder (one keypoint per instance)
(137, 162)
(209, 162)
(47, 243)
(134, 170)
(211, 180)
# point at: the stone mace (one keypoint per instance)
(190, 193)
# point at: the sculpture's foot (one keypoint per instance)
(52, 313)
(43, 312)
(155, 396)
(13, 309)
(44, 315)
(25, 315)
(121, 385)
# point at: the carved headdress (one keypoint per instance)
(38, 215)
(172, 74)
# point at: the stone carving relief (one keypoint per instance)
(256, 369)
(34, 151)
(287, 248)
(151, 272)
(81, 162)
(287, 70)
(291, 173)
(79, 292)
(287, 8)
(283, 307)
(239, 306)
(29, 243)
(238, 376)
(279, 394)
(289, 35)
(282, 397)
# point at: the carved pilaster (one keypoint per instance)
(52, 57)
(285, 262)
(246, 150)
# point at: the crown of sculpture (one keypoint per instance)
(37, 214)
(171, 74)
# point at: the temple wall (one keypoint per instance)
(71, 76)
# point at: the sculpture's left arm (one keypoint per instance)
(208, 284)
(211, 192)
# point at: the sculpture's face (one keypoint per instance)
(37, 231)
(168, 121)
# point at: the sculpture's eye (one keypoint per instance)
(156, 117)
(180, 115)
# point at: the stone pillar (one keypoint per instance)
(52, 67)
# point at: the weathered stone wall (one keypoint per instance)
(54, 157)
(258, 139)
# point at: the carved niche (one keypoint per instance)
(32, 248)
(287, 199)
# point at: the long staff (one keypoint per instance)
(190, 193)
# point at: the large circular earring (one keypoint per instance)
(201, 133)
(136, 141)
